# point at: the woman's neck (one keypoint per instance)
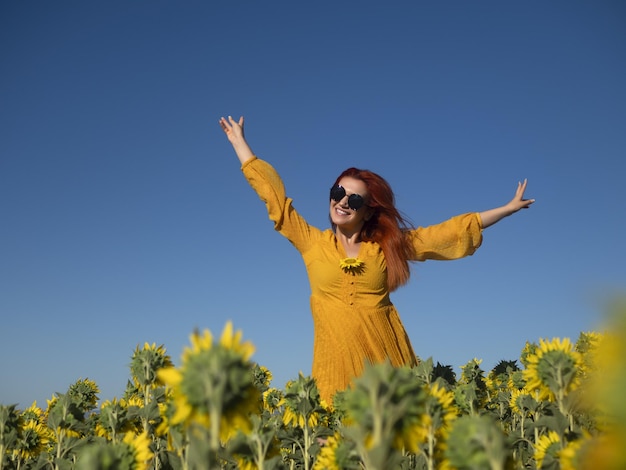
(350, 240)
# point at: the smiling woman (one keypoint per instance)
(354, 265)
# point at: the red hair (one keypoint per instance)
(386, 227)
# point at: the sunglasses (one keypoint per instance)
(355, 201)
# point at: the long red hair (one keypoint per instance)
(386, 226)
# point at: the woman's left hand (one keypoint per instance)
(518, 202)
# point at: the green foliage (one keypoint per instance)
(9, 429)
(101, 455)
(476, 443)
(470, 392)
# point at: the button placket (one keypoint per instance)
(351, 290)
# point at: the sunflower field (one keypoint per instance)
(558, 406)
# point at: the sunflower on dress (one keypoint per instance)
(352, 265)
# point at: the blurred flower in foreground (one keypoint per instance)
(475, 442)
(386, 407)
(213, 392)
(9, 429)
(547, 449)
(326, 460)
(437, 419)
(607, 391)
(133, 453)
(140, 448)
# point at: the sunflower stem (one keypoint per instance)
(214, 438)
(260, 452)
(431, 448)
(292, 465)
(306, 446)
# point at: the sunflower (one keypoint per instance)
(262, 377)
(547, 448)
(570, 455)
(272, 399)
(441, 407)
(412, 432)
(386, 409)
(327, 457)
(475, 441)
(232, 341)
(113, 419)
(84, 393)
(435, 422)
(529, 349)
(33, 440)
(139, 445)
(351, 265)
(588, 341)
(444, 404)
(302, 407)
(165, 428)
(64, 416)
(49, 407)
(32, 413)
(553, 369)
(588, 345)
(520, 402)
(498, 379)
(214, 380)
(607, 389)
(146, 362)
(293, 418)
(244, 463)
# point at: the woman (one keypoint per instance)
(354, 266)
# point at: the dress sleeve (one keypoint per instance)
(270, 188)
(455, 238)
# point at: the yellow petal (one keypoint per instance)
(202, 342)
(170, 376)
(227, 336)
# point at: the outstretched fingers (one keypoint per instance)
(224, 125)
(239, 123)
(519, 195)
(230, 125)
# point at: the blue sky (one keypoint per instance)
(125, 217)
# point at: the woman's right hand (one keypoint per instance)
(234, 132)
(233, 129)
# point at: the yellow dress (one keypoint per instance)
(353, 317)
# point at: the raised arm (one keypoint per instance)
(492, 216)
(234, 131)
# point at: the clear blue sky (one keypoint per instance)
(124, 217)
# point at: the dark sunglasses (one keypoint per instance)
(355, 201)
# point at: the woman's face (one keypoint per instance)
(341, 214)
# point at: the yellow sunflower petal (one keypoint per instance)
(227, 338)
(170, 376)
